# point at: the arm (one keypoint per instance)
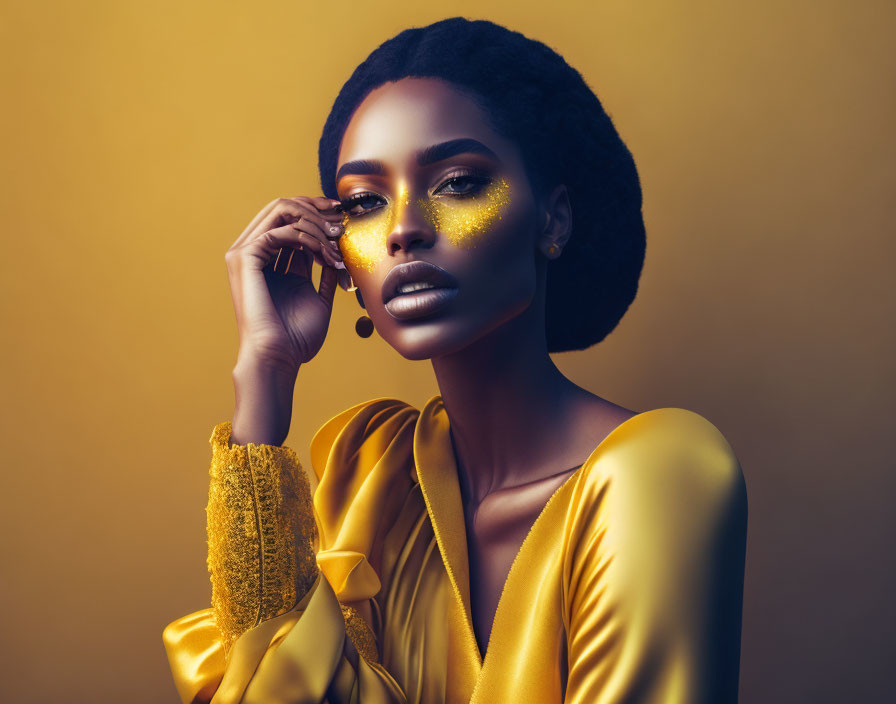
(654, 581)
(276, 631)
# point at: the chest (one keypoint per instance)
(426, 640)
(496, 530)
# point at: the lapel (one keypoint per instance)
(437, 474)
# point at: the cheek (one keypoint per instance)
(463, 223)
(466, 223)
(365, 240)
(363, 243)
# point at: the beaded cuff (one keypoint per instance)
(261, 533)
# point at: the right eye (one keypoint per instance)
(361, 203)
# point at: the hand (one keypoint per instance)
(281, 318)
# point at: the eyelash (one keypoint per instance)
(476, 179)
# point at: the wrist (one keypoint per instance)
(255, 367)
(263, 404)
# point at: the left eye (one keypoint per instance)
(463, 185)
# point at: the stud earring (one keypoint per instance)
(363, 325)
(553, 250)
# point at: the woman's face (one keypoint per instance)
(424, 178)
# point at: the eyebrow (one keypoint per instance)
(430, 155)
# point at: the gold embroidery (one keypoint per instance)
(261, 533)
(360, 633)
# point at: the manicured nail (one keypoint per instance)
(339, 265)
(336, 229)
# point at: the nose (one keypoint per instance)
(410, 226)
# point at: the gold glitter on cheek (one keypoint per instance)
(464, 221)
(364, 242)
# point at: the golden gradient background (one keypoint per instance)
(140, 138)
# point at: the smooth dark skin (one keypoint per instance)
(519, 427)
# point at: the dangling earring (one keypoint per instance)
(363, 325)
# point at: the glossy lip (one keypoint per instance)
(419, 304)
(415, 272)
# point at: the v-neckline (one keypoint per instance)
(531, 530)
(436, 468)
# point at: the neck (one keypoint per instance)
(508, 405)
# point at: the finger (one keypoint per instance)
(327, 287)
(309, 220)
(329, 208)
(259, 216)
(292, 260)
(264, 249)
(309, 260)
(305, 224)
(282, 211)
(266, 219)
(335, 231)
(313, 226)
(298, 263)
(344, 279)
(327, 217)
(323, 254)
(288, 266)
(317, 250)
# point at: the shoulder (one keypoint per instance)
(654, 553)
(671, 452)
(663, 491)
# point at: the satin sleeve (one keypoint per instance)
(653, 582)
(277, 631)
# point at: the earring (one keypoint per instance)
(363, 325)
(553, 250)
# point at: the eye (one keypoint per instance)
(361, 203)
(463, 185)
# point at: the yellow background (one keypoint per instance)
(140, 138)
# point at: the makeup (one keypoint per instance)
(363, 243)
(463, 220)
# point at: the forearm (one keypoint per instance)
(263, 403)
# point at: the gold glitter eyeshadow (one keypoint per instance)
(463, 220)
(363, 243)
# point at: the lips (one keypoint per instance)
(416, 272)
(417, 289)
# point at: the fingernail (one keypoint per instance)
(336, 229)
(339, 265)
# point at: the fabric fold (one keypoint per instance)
(627, 587)
(277, 630)
(349, 573)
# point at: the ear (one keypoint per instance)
(556, 216)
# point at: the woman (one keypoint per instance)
(518, 539)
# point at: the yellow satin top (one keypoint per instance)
(627, 587)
